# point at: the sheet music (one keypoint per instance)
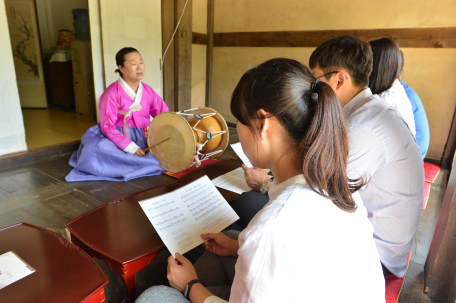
(180, 217)
(240, 152)
(233, 181)
(12, 269)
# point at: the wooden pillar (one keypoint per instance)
(440, 267)
(183, 56)
(209, 51)
(167, 10)
(450, 146)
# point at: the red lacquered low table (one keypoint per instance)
(64, 273)
(121, 234)
(213, 171)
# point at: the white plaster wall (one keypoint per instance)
(97, 53)
(199, 25)
(12, 134)
(429, 71)
(134, 23)
(198, 75)
(199, 19)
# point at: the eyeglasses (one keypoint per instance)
(330, 73)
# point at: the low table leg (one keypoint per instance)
(130, 288)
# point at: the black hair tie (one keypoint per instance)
(314, 85)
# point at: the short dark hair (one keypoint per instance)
(387, 64)
(345, 52)
(120, 57)
(312, 117)
(402, 60)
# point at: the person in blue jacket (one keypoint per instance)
(421, 122)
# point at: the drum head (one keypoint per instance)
(176, 154)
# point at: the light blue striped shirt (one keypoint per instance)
(383, 149)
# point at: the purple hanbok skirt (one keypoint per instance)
(100, 159)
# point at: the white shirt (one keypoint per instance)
(302, 248)
(382, 148)
(397, 98)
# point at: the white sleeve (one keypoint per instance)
(257, 276)
(214, 299)
(131, 148)
(364, 144)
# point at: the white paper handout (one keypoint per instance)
(233, 181)
(12, 269)
(181, 216)
(240, 152)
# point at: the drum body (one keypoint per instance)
(182, 139)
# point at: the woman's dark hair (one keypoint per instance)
(387, 64)
(120, 57)
(345, 52)
(314, 121)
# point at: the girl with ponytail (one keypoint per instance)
(312, 242)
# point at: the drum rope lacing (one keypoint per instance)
(209, 136)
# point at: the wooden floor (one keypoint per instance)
(37, 193)
(50, 126)
(412, 291)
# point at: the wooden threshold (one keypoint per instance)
(39, 153)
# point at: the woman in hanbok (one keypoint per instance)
(113, 149)
(384, 80)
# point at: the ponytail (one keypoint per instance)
(325, 150)
(310, 114)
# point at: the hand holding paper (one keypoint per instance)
(180, 217)
(255, 177)
(220, 244)
(180, 272)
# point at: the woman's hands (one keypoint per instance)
(180, 272)
(140, 153)
(220, 244)
(255, 177)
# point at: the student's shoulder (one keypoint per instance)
(279, 208)
(367, 111)
(373, 114)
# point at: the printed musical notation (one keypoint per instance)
(173, 224)
(233, 181)
(170, 219)
(180, 217)
(166, 212)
